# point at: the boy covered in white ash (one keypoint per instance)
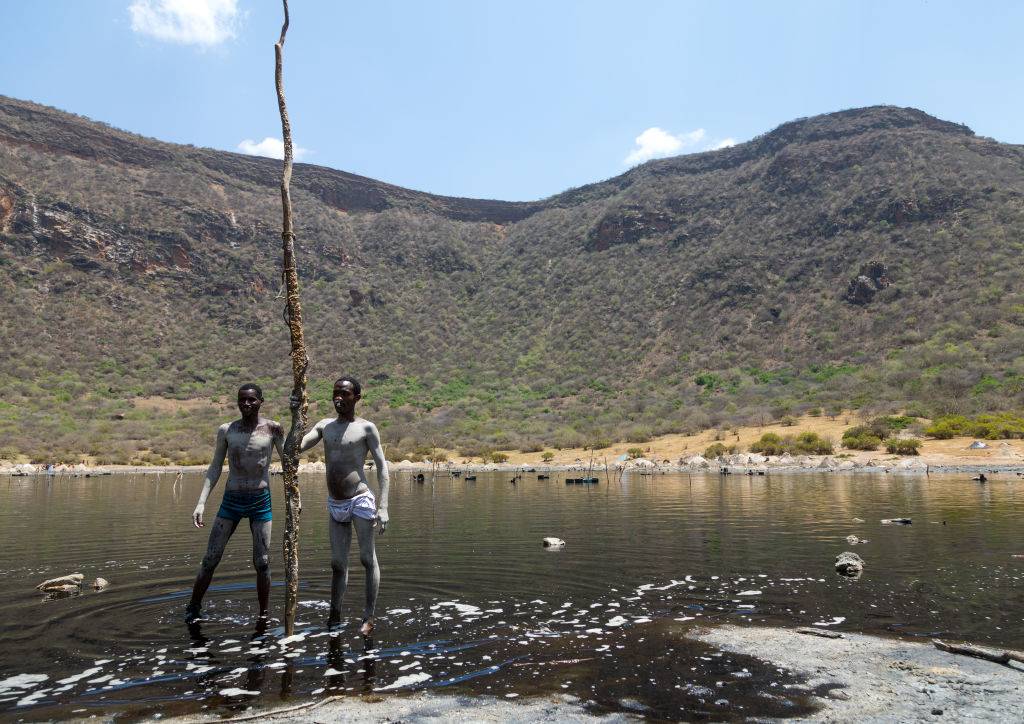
(350, 502)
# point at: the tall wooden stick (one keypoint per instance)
(300, 360)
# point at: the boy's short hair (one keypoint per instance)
(356, 387)
(254, 387)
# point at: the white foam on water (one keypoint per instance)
(835, 620)
(749, 593)
(408, 680)
(100, 679)
(33, 697)
(332, 672)
(398, 611)
(684, 618)
(642, 619)
(412, 665)
(22, 681)
(238, 692)
(463, 608)
(594, 630)
(315, 604)
(83, 675)
(291, 639)
(616, 621)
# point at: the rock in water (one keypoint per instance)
(854, 540)
(73, 579)
(896, 521)
(849, 564)
(100, 583)
(553, 543)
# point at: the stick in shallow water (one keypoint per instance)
(300, 360)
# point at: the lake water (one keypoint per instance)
(471, 601)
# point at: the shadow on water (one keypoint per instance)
(471, 602)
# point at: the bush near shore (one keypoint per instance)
(995, 426)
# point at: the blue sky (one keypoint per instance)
(511, 100)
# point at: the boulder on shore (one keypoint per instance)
(696, 462)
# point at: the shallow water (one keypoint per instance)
(472, 601)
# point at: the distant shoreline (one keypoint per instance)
(731, 467)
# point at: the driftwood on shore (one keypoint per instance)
(58, 584)
(820, 632)
(999, 657)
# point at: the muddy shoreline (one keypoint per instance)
(854, 678)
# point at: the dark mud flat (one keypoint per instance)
(473, 606)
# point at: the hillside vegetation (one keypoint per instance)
(866, 259)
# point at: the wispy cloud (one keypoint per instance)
(658, 143)
(269, 147)
(189, 22)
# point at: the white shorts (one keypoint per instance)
(363, 505)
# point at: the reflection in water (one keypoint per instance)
(471, 600)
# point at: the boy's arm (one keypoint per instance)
(373, 443)
(212, 474)
(279, 441)
(311, 438)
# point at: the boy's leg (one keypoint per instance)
(220, 534)
(341, 542)
(261, 561)
(365, 530)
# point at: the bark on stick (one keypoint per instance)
(300, 360)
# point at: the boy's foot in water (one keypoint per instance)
(192, 613)
(367, 628)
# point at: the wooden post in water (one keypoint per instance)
(300, 360)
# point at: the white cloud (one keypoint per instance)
(658, 143)
(269, 147)
(190, 22)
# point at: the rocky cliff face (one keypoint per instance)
(866, 241)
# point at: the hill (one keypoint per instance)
(866, 258)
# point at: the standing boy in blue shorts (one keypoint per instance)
(248, 444)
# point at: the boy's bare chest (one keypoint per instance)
(260, 439)
(345, 439)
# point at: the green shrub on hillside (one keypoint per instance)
(861, 437)
(717, 449)
(811, 443)
(901, 446)
(806, 443)
(548, 456)
(635, 452)
(769, 444)
(995, 426)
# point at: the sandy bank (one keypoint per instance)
(868, 679)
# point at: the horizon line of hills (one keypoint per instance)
(863, 259)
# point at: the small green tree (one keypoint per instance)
(635, 452)
(547, 456)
